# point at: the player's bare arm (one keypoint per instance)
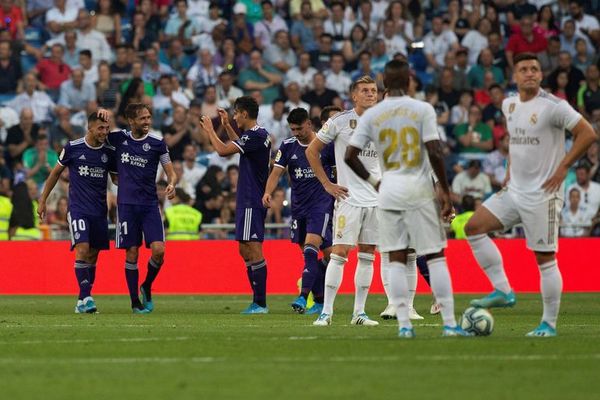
(231, 133)
(313, 155)
(584, 136)
(222, 149)
(351, 158)
(436, 159)
(48, 186)
(274, 176)
(171, 179)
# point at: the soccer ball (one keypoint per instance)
(477, 320)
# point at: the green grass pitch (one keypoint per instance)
(199, 347)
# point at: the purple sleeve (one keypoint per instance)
(251, 143)
(164, 153)
(282, 156)
(64, 158)
(113, 138)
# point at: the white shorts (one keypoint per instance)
(540, 221)
(420, 229)
(354, 225)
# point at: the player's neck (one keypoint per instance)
(396, 93)
(359, 110)
(251, 123)
(526, 95)
(137, 134)
(308, 139)
(89, 139)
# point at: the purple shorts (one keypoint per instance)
(88, 229)
(318, 223)
(134, 220)
(250, 224)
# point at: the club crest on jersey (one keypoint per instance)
(533, 119)
(511, 107)
(104, 158)
(353, 123)
(146, 147)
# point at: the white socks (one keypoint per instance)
(551, 285)
(398, 287)
(385, 275)
(362, 281)
(441, 285)
(487, 255)
(411, 277)
(333, 280)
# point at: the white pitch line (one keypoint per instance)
(85, 341)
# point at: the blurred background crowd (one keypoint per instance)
(61, 59)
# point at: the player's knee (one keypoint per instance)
(158, 253)
(397, 256)
(472, 228)
(544, 257)
(433, 256)
(340, 251)
(82, 251)
(366, 248)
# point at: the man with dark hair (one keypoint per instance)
(254, 146)
(138, 153)
(89, 159)
(536, 122)
(312, 206)
(404, 131)
(328, 112)
(320, 95)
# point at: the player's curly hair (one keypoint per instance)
(132, 110)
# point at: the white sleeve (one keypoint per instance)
(192, 73)
(327, 133)
(362, 134)
(564, 116)
(429, 127)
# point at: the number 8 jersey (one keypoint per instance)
(339, 129)
(399, 127)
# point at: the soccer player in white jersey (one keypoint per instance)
(533, 190)
(355, 220)
(404, 132)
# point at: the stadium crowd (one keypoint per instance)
(62, 59)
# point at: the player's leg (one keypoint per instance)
(99, 240)
(310, 274)
(424, 271)
(412, 279)
(129, 237)
(154, 236)
(499, 212)
(256, 266)
(318, 289)
(363, 276)
(541, 231)
(82, 275)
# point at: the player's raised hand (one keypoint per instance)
(206, 124)
(224, 116)
(104, 114)
(41, 211)
(266, 200)
(553, 184)
(337, 191)
(170, 192)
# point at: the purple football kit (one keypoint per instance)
(88, 174)
(255, 152)
(137, 202)
(312, 206)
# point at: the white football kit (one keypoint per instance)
(409, 215)
(537, 146)
(355, 218)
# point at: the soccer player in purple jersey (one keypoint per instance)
(254, 147)
(138, 153)
(89, 160)
(312, 206)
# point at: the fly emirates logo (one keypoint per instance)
(521, 139)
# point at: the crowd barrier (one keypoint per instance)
(214, 267)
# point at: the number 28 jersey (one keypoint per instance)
(400, 127)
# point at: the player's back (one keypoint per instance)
(137, 162)
(400, 126)
(255, 149)
(340, 129)
(88, 175)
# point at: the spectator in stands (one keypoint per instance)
(107, 21)
(590, 190)
(496, 46)
(11, 18)
(77, 95)
(574, 76)
(67, 128)
(71, 50)
(175, 57)
(227, 92)
(231, 180)
(21, 137)
(576, 221)
(136, 73)
(549, 58)
(337, 25)
(354, 46)
(192, 171)
(582, 58)
(179, 133)
(495, 163)
(525, 40)
(10, 70)
(91, 39)
(321, 95)
(153, 69)
(203, 73)
(241, 30)
(336, 78)
(39, 160)
(260, 77)
(141, 36)
(477, 39)
(471, 182)
(379, 57)
(569, 37)
(438, 42)
(446, 91)
(274, 121)
(467, 209)
(459, 114)
(180, 25)
(61, 18)
(366, 19)
(266, 30)
(107, 90)
(292, 92)
(492, 113)
(558, 86)
(321, 57)
(592, 158)
(474, 137)
(165, 99)
(301, 33)
(393, 43)
(36, 12)
(42, 105)
(121, 68)
(279, 54)
(482, 95)
(210, 107)
(476, 74)
(53, 71)
(364, 67)
(24, 223)
(441, 109)
(585, 24)
(546, 23)
(8, 119)
(59, 221)
(301, 74)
